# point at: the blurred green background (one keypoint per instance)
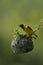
(12, 13)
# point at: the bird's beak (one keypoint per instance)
(21, 25)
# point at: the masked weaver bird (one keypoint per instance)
(28, 29)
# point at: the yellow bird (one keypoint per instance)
(27, 29)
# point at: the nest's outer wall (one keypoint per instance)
(22, 44)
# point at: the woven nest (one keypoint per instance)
(22, 44)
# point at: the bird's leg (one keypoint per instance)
(33, 37)
(34, 34)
